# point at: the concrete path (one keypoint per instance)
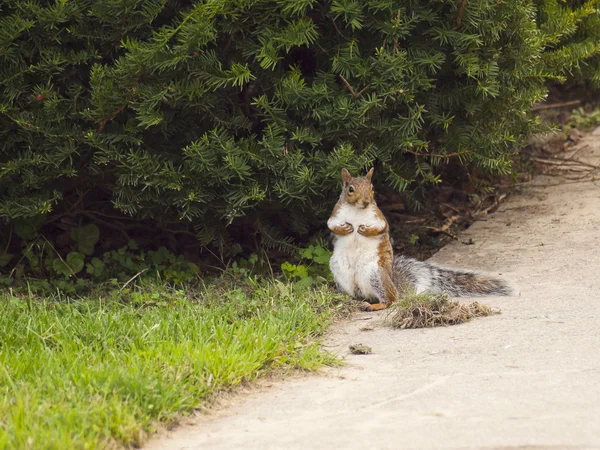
(528, 378)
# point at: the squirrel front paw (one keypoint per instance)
(347, 228)
(362, 229)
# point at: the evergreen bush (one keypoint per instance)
(572, 31)
(227, 118)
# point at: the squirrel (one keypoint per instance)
(363, 263)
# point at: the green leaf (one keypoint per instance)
(193, 268)
(301, 271)
(86, 237)
(306, 253)
(288, 269)
(27, 228)
(60, 267)
(72, 265)
(161, 256)
(253, 259)
(5, 259)
(95, 267)
(304, 283)
(322, 255)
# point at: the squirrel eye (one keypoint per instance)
(350, 189)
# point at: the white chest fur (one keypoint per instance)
(354, 262)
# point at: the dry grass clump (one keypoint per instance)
(433, 310)
(360, 349)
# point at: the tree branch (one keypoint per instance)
(351, 89)
(439, 155)
(557, 105)
(110, 117)
(461, 11)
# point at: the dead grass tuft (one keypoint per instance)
(360, 349)
(433, 310)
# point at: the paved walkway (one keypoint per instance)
(528, 378)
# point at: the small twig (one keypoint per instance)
(58, 254)
(184, 232)
(9, 239)
(351, 89)
(359, 93)
(335, 26)
(228, 43)
(217, 257)
(586, 173)
(396, 38)
(561, 161)
(576, 152)
(439, 155)
(461, 11)
(109, 216)
(447, 233)
(484, 212)
(557, 105)
(348, 85)
(555, 163)
(133, 278)
(447, 205)
(444, 228)
(79, 200)
(21, 259)
(107, 224)
(581, 177)
(576, 170)
(114, 114)
(450, 222)
(416, 220)
(530, 183)
(397, 206)
(122, 30)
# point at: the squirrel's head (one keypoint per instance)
(357, 191)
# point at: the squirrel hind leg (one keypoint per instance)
(366, 306)
(384, 288)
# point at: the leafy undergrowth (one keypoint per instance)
(433, 310)
(103, 370)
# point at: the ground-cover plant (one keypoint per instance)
(580, 118)
(104, 369)
(312, 265)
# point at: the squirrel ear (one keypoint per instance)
(346, 175)
(370, 173)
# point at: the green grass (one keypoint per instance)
(102, 371)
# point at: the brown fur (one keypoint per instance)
(358, 191)
(343, 230)
(400, 272)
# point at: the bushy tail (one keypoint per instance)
(424, 276)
